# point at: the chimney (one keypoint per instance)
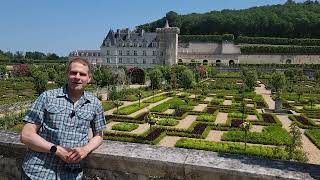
(141, 32)
(128, 33)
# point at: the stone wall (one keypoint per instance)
(122, 161)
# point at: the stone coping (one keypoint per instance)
(178, 163)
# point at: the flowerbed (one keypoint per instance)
(123, 126)
(154, 134)
(235, 123)
(314, 136)
(199, 128)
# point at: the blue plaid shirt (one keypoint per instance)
(63, 124)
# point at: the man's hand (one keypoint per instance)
(77, 154)
(63, 154)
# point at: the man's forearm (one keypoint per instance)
(33, 141)
(94, 142)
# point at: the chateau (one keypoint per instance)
(135, 49)
(146, 49)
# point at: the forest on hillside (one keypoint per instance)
(291, 20)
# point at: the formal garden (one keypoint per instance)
(194, 107)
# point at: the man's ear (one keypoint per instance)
(89, 80)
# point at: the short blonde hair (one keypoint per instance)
(79, 60)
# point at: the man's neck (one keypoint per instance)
(75, 95)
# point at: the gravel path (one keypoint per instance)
(256, 128)
(312, 151)
(146, 109)
(169, 141)
(169, 111)
(252, 117)
(266, 94)
(127, 103)
(227, 102)
(200, 107)
(208, 99)
(186, 122)
(215, 135)
(221, 118)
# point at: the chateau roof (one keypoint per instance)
(126, 36)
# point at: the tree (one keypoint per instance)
(295, 143)
(52, 74)
(317, 75)
(186, 79)
(139, 95)
(40, 81)
(277, 81)
(249, 78)
(245, 127)
(155, 78)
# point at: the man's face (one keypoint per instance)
(78, 76)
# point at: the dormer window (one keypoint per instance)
(154, 44)
(135, 44)
(108, 44)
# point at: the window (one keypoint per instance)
(144, 61)
(161, 53)
(108, 60)
(153, 61)
(128, 53)
(135, 60)
(108, 52)
(135, 44)
(154, 53)
(108, 44)
(135, 53)
(154, 44)
(120, 52)
(144, 53)
(120, 60)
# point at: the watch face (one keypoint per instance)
(53, 149)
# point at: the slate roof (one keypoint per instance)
(122, 36)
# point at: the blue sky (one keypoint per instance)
(61, 26)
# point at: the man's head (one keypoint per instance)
(79, 74)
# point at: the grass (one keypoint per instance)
(123, 126)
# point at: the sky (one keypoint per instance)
(61, 26)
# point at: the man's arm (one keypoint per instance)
(80, 153)
(32, 140)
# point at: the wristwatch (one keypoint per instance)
(53, 149)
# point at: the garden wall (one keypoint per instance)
(119, 160)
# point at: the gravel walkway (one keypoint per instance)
(200, 107)
(256, 128)
(312, 151)
(186, 122)
(215, 135)
(127, 103)
(169, 111)
(169, 141)
(266, 94)
(221, 118)
(146, 109)
(252, 117)
(227, 102)
(208, 99)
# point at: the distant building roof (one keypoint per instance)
(125, 36)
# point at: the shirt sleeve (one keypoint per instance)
(36, 113)
(99, 123)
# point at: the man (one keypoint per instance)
(56, 129)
